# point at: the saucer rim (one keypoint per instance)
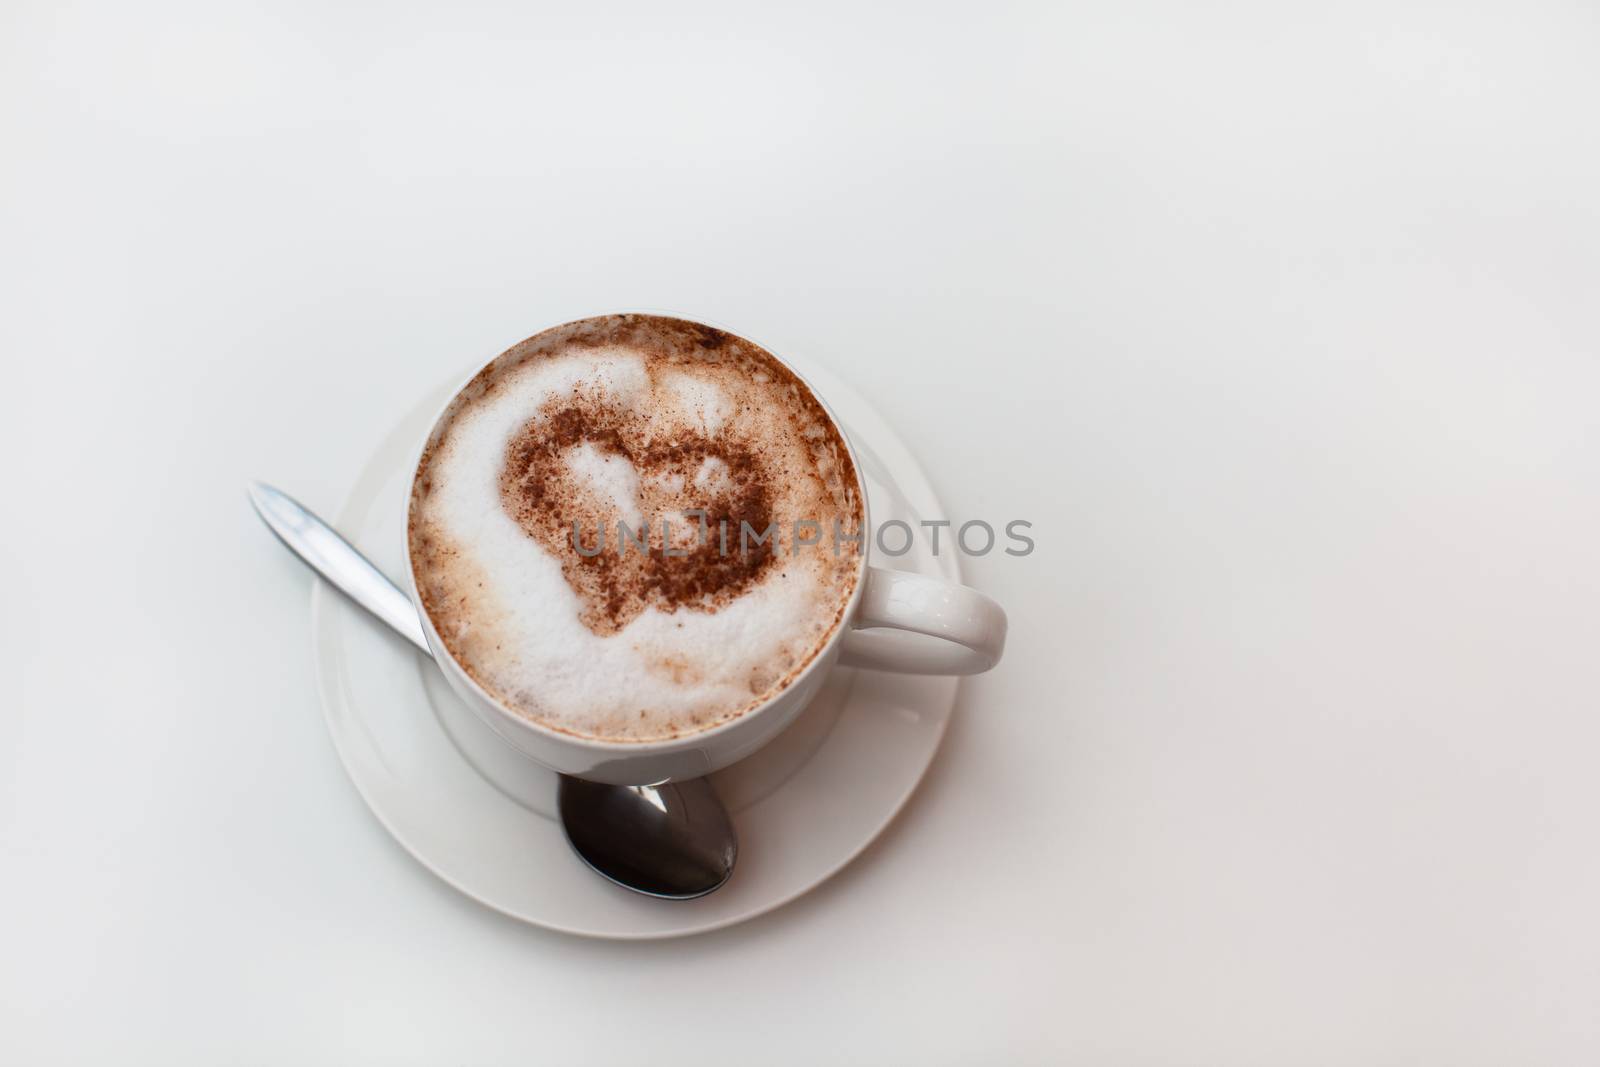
(331, 667)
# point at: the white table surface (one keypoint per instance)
(1279, 323)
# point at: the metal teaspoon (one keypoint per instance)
(673, 840)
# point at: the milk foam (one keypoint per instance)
(510, 616)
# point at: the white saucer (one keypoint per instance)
(480, 816)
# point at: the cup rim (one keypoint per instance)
(661, 745)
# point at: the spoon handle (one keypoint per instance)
(321, 548)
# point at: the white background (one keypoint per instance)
(1279, 322)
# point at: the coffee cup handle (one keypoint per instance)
(912, 624)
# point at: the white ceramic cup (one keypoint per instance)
(956, 630)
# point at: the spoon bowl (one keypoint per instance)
(672, 840)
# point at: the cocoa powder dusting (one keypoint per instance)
(618, 582)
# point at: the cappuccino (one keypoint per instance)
(632, 528)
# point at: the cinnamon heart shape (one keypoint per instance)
(585, 463)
